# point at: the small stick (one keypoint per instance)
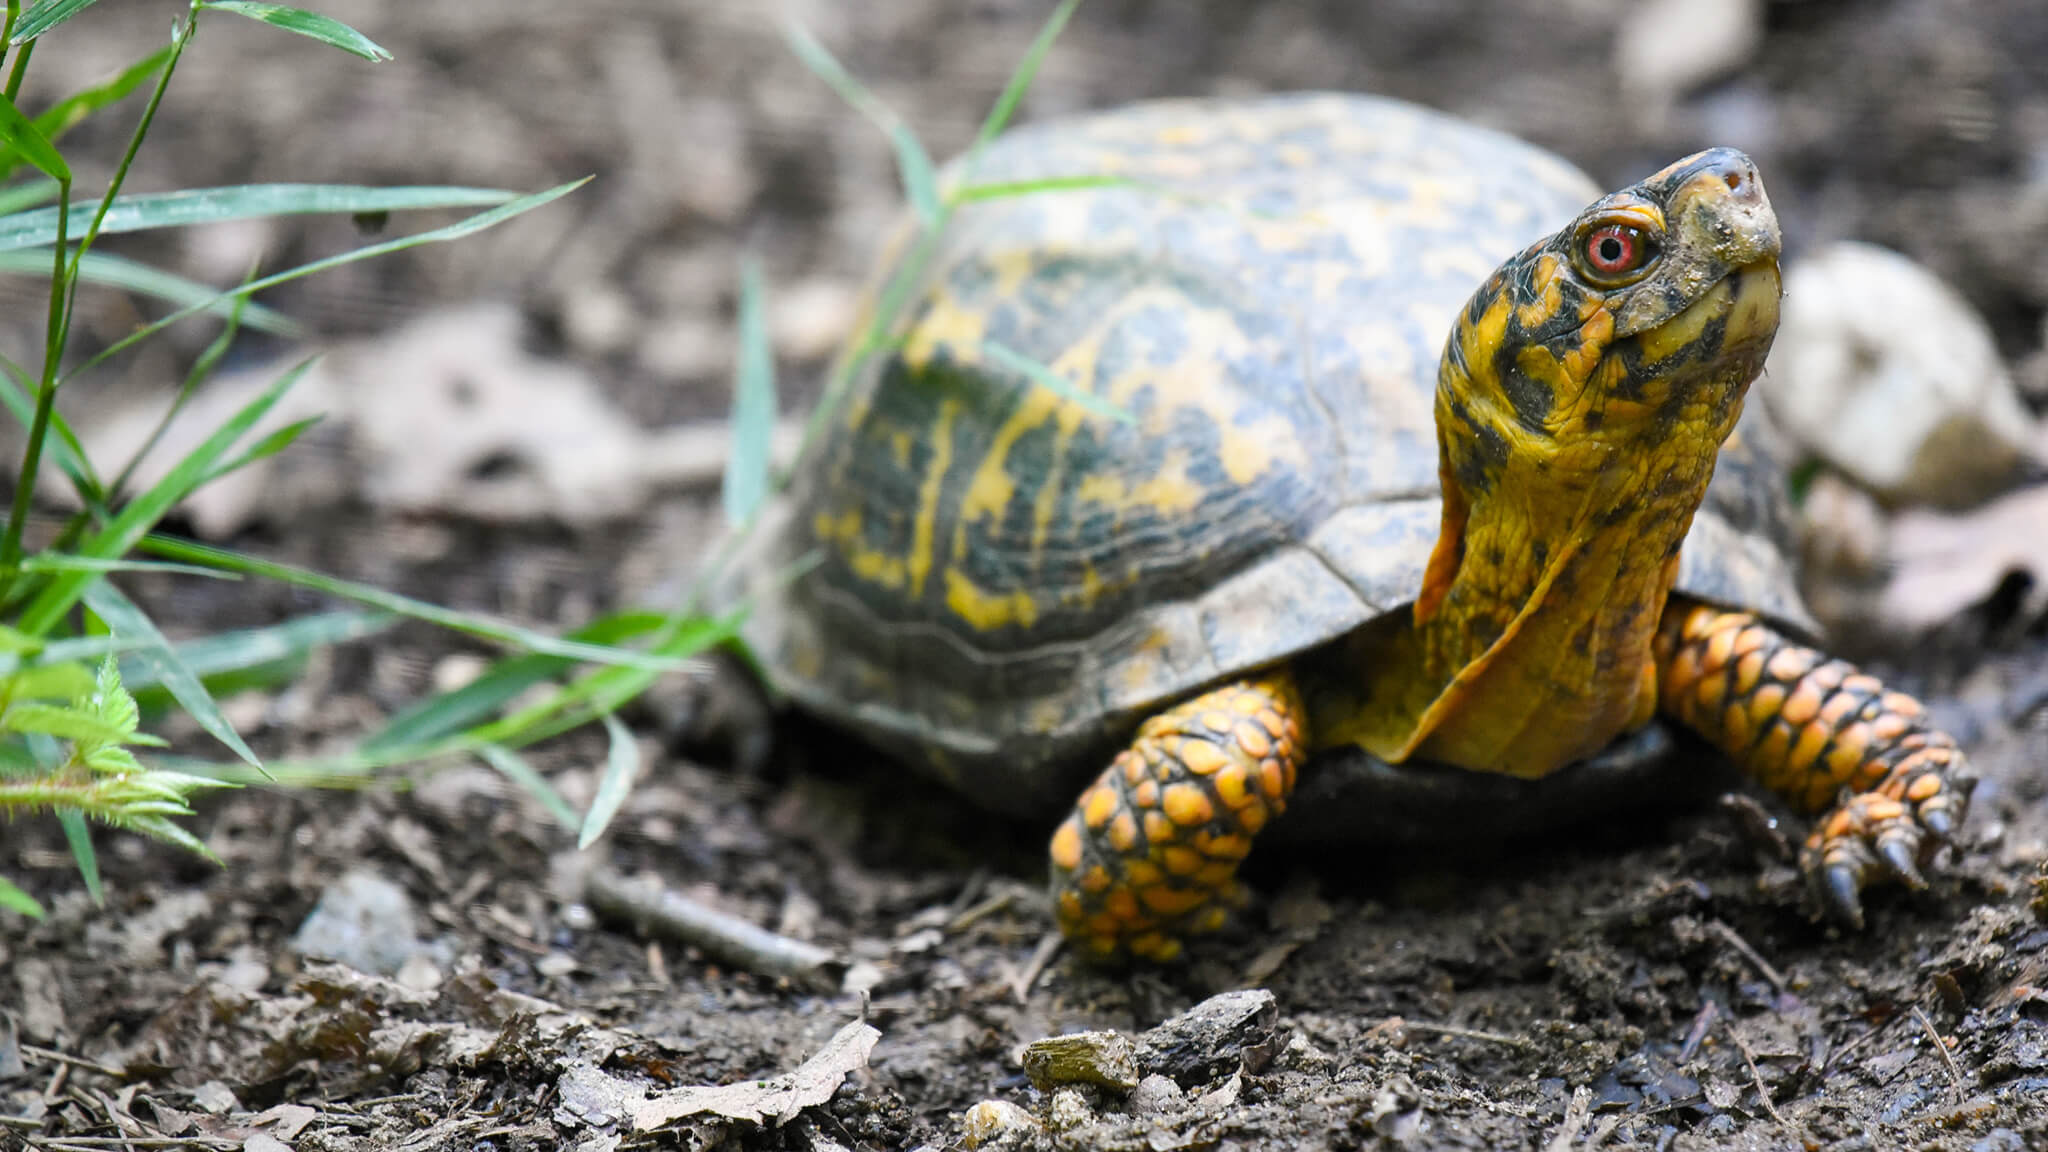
(130, 1142)
(1764, 968)
(1048, 947)
(1763, 1093)
(1836, 1057)
(655, 909)
(1574, 1120)
(1955, 1072)
(973, 915)
(52, 1056)
(1467, 1034)
(1697, 1034)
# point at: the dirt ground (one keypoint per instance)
(1660, 985)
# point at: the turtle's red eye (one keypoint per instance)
(1616, 250)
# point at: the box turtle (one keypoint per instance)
(1399, 477)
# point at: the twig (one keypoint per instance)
(655, 909)
(1763, 1093)
(1697, 1034)
(1955, 1072)
(1836, 1057)
(1468, 1034)
(52, 1056)
(971, 916)
(130, 1142)
(1764, 967)
(1574, 1120)
(1048, 947)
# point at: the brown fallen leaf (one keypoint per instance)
(778, 1099)
(1941, 564)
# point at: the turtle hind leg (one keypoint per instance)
(1150, 852)
(1828, 738)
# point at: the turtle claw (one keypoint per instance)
(1872, 837)
(1840, 889)
(1939, 823)
(1900, 853)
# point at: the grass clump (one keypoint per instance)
(73, 647)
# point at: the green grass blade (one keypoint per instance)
(202, 368)
(78, 834)
(605, 690)
(580, 702)
(913, 163)
(123, 618)
(28, 194)
(20, 133)
(621, 768)
(50, 682)
(467, 623)
(1016, 361)
(71, 458)
(455, 231)
(184, 208)
(134, 521)
(265, 448)
(753, 402)
(1013, 189)
(129, 275)
(450, 712)
(308, 24)
(14, 898)
(291, 640)
(1020, 79)
(45, 16)
(60, 562)
(512, 766)
(920, 182)
(72, 110)
(88, 649)
(252, 648)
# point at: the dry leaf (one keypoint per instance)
(1944, 564)
(759, 1101)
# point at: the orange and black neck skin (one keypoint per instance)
(1581, 402)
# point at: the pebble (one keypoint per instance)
(1108, 1059)
(1157, 1095)
(366, 922)
(1214, 1038)
(998, 1124)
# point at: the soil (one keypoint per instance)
(1659, 985)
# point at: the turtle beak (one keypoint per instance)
(1716, 203)
(1720, 258)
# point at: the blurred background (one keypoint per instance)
(531, 423)
(1919, 125)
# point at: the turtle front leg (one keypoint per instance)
(1826, 737)
(1151, 850)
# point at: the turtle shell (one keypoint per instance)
(988, 577)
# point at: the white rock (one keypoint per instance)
(1888, 375)
(998, 1124)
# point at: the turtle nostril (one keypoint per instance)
(1734, 179)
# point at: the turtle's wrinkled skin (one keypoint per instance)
(1419, 468)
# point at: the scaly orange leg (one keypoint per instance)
(1151, 850)
(1824, 736)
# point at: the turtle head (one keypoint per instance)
(1581, 402)
(1629, 335)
